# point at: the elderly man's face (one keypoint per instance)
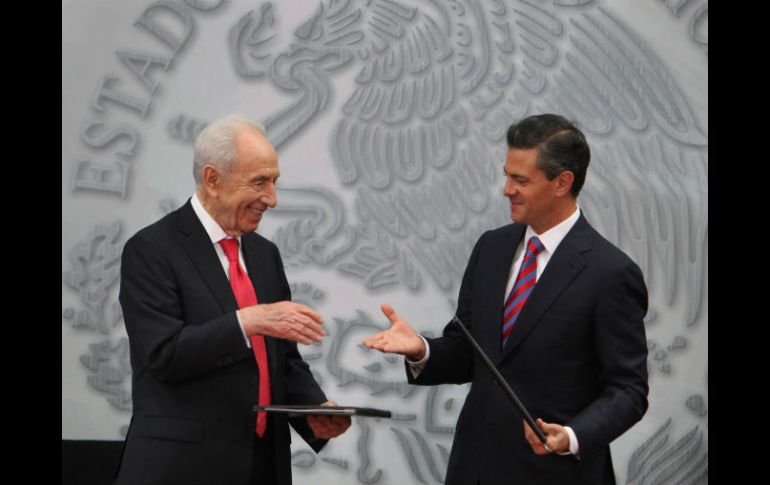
(247, 190)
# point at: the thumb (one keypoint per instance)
(390, 313)
(547, 427)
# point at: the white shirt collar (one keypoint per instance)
(213, 229)
(553, 236)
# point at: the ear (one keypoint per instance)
(212, 180)
(564, 183)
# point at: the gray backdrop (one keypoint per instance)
(389, 118)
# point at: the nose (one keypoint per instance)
(270, 197)
(508, 188)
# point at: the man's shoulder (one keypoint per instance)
(503, 232)
(160, 231)
(259, 242)
(607, 252)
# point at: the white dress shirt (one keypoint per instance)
(216, 234)
(551, 240)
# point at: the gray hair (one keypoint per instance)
(215, 145)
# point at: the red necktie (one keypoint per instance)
(246, 296)
(525, 281)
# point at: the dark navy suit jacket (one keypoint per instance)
(576, 356)
(195, 381)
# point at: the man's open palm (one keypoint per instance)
(400, 338)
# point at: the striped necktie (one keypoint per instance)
(525, 281)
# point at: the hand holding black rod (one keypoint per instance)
(501, 380)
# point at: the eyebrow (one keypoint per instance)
(259, 178)
(514, 175)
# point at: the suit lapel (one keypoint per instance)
(201, 252)
(565, 264)
(497, 273)
(256, 261)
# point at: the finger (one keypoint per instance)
(337, 424)
(548, 447)
(309, 312)
(310, 328)
(316, 426)
(336, 427)
(375, 345)
(373, 339)
(308, 338)
(309, 323)
(317, 421)
(310, 331)
(300, 335)
(548, 428)
(542, 426)
(292, 334)
(382, 345)
(323, 427)
(315, 333)
(299, 338)
(320, 424)
(342, 422)
(390, 313)
(528, 431)
(532, 439)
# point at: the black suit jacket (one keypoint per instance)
(195, 381)
(576, 356)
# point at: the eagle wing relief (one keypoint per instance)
(418, 142)
(421, 138)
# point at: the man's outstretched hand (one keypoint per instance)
(400, 338)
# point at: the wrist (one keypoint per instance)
(420, 354)
(249, 323)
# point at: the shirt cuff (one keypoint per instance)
(574, 449)
(243, 330)
(416, 367)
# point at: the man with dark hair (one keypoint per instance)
(213, 332)
(559, 309)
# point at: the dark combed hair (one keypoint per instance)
(562, 146)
